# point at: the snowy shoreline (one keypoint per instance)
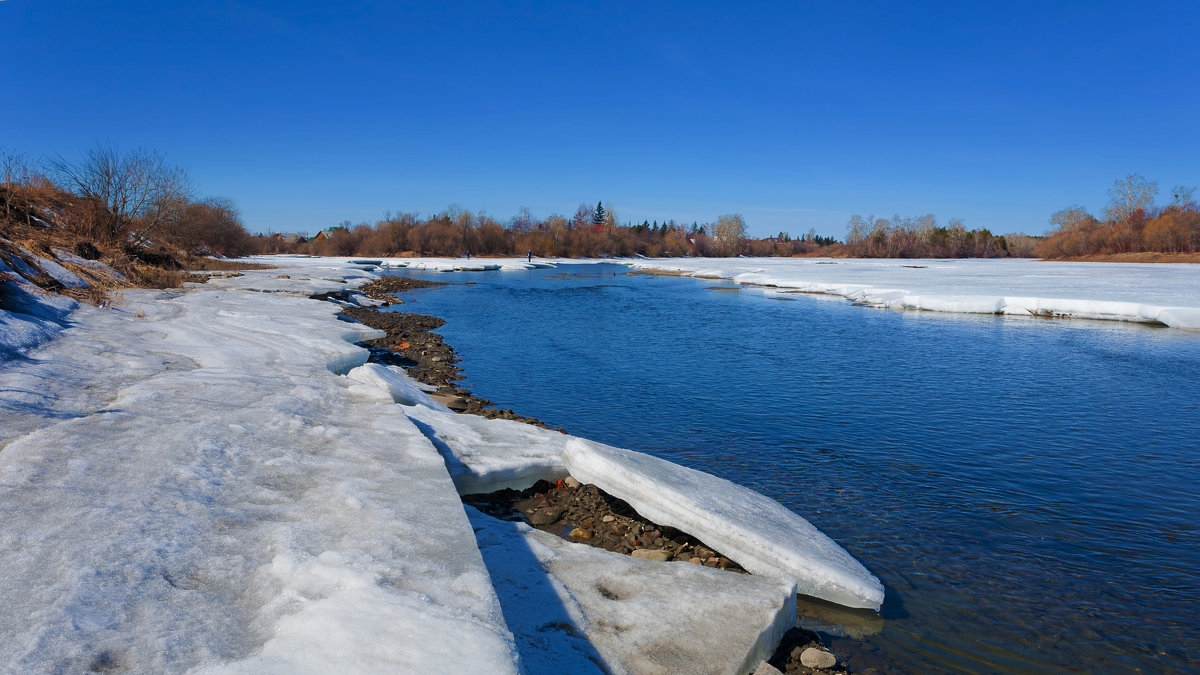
(1153, 293)
(214, 479)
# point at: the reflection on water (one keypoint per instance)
(1023, 487)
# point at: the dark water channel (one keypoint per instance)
(1026, 489)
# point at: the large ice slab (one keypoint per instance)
(578, 609)
(486, 455)
(758, 533)
(399, 386)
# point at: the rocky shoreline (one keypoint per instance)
(577, 512)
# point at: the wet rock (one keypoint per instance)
(817, 659)
(546, 516)
(455, 403)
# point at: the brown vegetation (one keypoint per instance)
(129, 211)
(591, 232)
(1132, 225)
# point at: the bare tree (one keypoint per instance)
(1129, 195)
(730, 230)
(1072, 218)
(137, 190)
(1182, 196)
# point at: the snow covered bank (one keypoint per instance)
(214, 479)
(1151, 293)
(231, 503)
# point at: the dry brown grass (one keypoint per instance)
(203, 264)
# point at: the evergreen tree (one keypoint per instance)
(599, 216)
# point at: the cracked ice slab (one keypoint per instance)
(758, 533)
(486, 455)
(573, 607)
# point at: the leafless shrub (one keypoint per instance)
(132, 194)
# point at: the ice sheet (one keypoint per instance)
(1143, 292)
(195, 487)
(758, 533)
(571, 605)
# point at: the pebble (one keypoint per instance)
(608, 519)
(817, 659)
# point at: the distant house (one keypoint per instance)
(329, 232)
(289, 237)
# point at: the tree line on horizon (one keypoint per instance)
(923, 237)
(136, 201)
(591, 232)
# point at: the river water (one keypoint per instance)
(1026, 489)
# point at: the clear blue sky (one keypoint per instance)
(794, 114)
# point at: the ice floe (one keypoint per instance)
(758, 533)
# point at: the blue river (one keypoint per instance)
(1026, 489)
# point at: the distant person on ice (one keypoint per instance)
(530, 254)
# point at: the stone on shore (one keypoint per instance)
(817, 659)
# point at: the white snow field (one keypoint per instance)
(1143, 292)
(214, 480)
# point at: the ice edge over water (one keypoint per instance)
(1119, 292)
(758, 533)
